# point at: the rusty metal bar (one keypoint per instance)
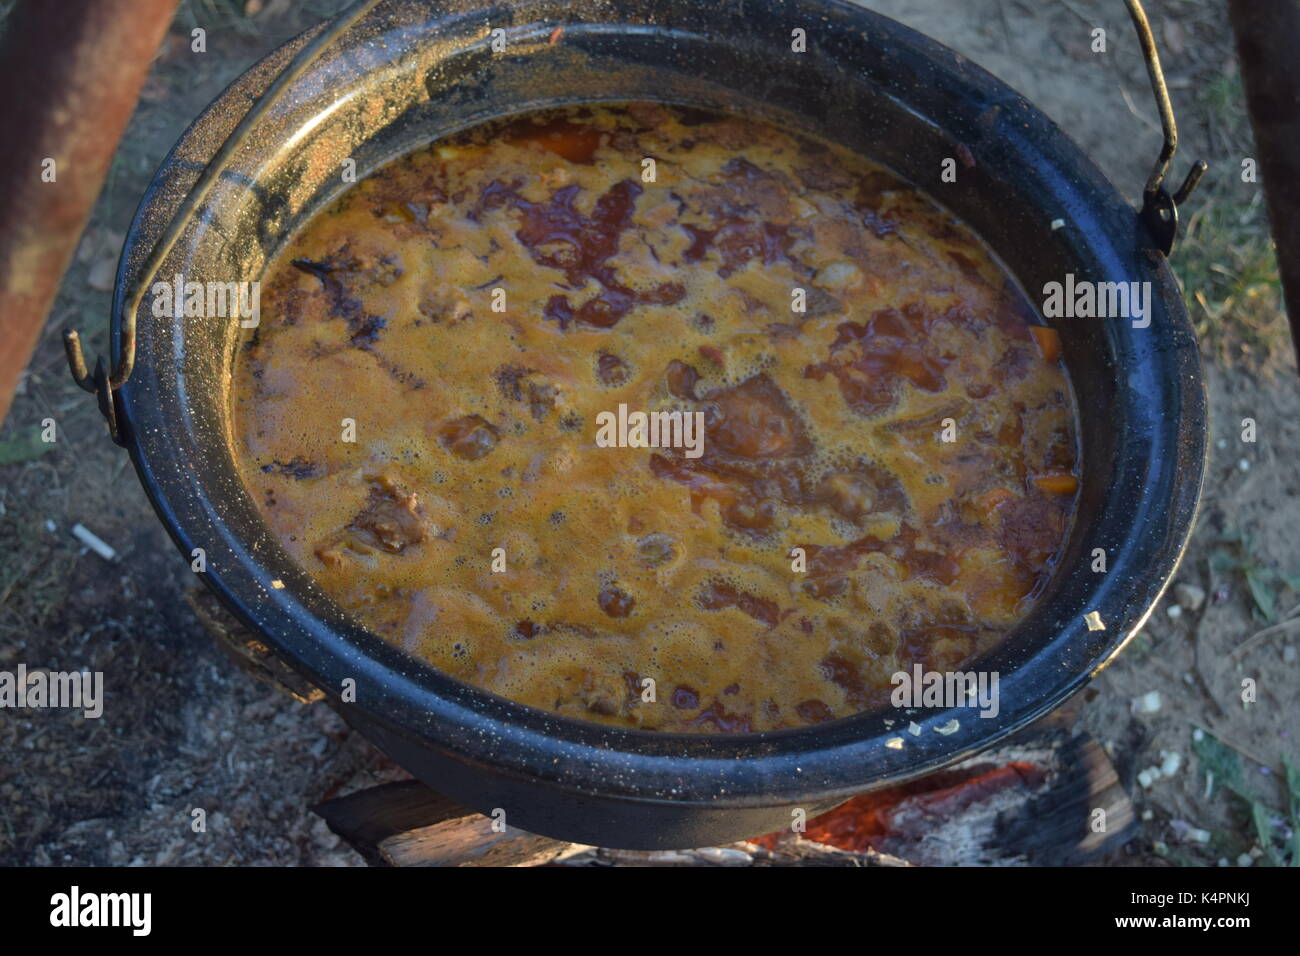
(70, 74)
(1268, 40)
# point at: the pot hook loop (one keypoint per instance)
(1159, 207)
(99, 384)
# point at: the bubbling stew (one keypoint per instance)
(660, 418)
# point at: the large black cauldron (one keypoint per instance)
(411, 71)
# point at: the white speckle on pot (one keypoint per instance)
(894, 743)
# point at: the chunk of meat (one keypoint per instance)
(869, 360)
(718, 595)
(391, 521)
(682, 379)
(614, 601)
(468, 437)
(754, 420)
(848, 495)
(612, 370)
(827, 566)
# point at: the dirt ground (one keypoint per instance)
(183, 729)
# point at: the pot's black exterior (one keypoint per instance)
(414, 71)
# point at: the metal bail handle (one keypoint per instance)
(1159, 208)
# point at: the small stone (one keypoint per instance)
(1189, 596)
(1288, 653)
(1243, 464)
(1148, 703)
(1174, 612)
(1172, 761)
(1245, 860)
(102, 274)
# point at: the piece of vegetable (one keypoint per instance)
(1049, 343)
(1057, 483)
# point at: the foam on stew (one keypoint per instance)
(824, 427)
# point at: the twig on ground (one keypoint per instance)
(1289, 620)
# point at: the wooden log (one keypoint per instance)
(408, 824)
(1047, 797)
